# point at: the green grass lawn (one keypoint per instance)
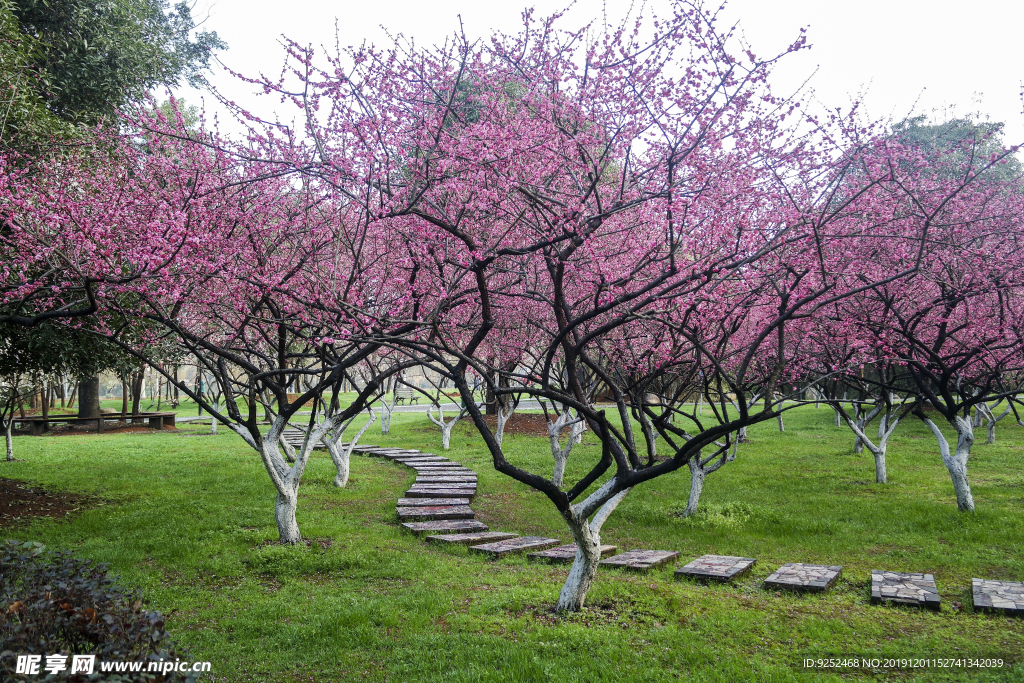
(186, 512)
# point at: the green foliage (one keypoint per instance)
(22, 108)
(92, 56)
(962, 144)
(55, 602)
(52, 349)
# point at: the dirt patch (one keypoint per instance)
(20, 502)
(86, 428)
(525, 424)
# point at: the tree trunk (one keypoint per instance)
(137, 392)
(697, 477)
(584, 568)
(446, 427)
(588, 554)
(89, 397)
(44, 403)
(561, 458)
(342, 456)
(284, 514)
(504, 414)
(124, 400)
(9, 438)
(956, 461)
(387, 412)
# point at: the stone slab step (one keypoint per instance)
(420, 502)
(481, 537)
(396, 454)
(1004, 597)
(640, 560)
(719, 568)
(421, 459)
(564, 554)
(515, 545)
(440, 468)
(454, 479)
(444, 485)
(901, 588)
(445, 526)
(454, 472)
(433, 494)
(424, 513)
(796, 576)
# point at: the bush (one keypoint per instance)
(54, 603)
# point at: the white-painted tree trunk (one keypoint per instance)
(864, 418)
(284, 514)
(986, 412)
(289, 450)
(699, 471)
(587, 535)
(879, 450)
(560, 453)
(387, 410)
(286, 479)
(504, 414)
(956, 461)
(650, 435)
(342, 455)
(697, 477)
(446, 426)
(9, 438)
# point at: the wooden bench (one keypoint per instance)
(410, 395)
(40, 424)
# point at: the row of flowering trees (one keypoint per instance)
(551, 211)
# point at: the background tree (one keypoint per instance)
(91, 57)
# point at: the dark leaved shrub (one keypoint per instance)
(53, 603)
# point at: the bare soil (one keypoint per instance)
(20, 502)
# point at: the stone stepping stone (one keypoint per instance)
(434, 494)
(640, 560)
(481, 537)
(796, 576)
(433, 485)
(454, 479)
(564, 554)
(399, 454)
(446, 472)
(445, 526)
(716, 567)
(905, 589)
(439, 468)
(424, 513)
(1006, 597)
(422, 460)
(419, 502)
(514, 545)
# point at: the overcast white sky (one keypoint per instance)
(909, 56)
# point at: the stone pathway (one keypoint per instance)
(1006, 597)
(716, 568)
(804, 577)
(918, 590)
